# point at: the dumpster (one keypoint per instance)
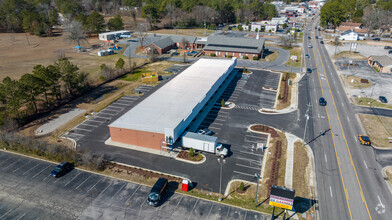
(185, 185)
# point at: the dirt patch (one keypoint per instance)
(266, 129)
(185, 155)
(270, 56)
(357, 82)
(24, 51)
(349, 54)
(378, 129)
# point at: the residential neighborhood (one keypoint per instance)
(180, 109)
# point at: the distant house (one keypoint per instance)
(346, 26)
(381, 63)
(256, 27)
(114, 35)
(272, 27)
(278, 21)
(245, 27)
(160, 46)
(349, 35)
(234, 47)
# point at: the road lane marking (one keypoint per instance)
(330, 190)
(365, 164)
(325, 158)
(355, 138)
(380, 201)
(348, 119)
(345, 139)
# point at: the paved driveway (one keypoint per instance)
(27, 191)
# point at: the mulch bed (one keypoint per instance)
(145, 173)
(185, 155)
(266, 129)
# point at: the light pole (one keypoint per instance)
(221, 162)
(258, 177)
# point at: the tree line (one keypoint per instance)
(43, 89)
(372, 13)
(40, 16)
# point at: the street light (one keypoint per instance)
(221, 162)
(258, 177)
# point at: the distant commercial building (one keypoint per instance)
(163, 116)
(234, 47)
(349, 35)
(167, 43)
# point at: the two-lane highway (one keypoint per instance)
(346, 169)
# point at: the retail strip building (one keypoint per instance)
(165, 114)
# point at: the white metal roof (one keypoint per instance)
(173, 102)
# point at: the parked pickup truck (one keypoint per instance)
(204, 143)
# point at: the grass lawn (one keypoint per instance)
(378, 129)
(349, 54)
(295, 51)
(157, 67)
(365, 102)
(355, 82)
(389, 174)
(271, 56)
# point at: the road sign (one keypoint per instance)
(282, 197)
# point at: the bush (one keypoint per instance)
(255, 57)
(191, 152)
(245, 57)
(212, 54)
(242, 186)
(279, 97)
(229, 56)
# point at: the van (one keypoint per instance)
(157, 192)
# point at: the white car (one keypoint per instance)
(310, 46)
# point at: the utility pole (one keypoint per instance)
(221, 162)
(306, 123)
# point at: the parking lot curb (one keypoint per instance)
(312, 177)
(384, 174)
(192, 162)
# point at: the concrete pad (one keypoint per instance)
(58, 122)
(288, 180)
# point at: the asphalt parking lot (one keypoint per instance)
(247, 148)
(27, 191)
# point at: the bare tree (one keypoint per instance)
(203, 14)
(372, 17)
(285, 41)
(75, 32)
(184, 42)
(169, 9)
(141, 32)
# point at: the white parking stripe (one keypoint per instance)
(83, 181)
(102, 117)
(247, 152)
(93, 120)
(129, 97)
(108, 110)
(193, 208)
(246, 174)
(94, 185)
(76, 134)
(30, 169)
(11, 164)
(250, 160)
(73, 179)
(118, 191)
(137, 188)
(82, 129)
(215, 128)
(121, 104)
(85, 124)
(111, 106)
(241, 165)
(103, 113)
(42, 170)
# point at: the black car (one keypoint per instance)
(309, 37)
(387, 47)
(316, 37)
(321, 42)
(61, 169)
(383, 99)
(158, 192)
(307, 56)
(322, 101)
(390, 52)
(308, 70)
(376, 39)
